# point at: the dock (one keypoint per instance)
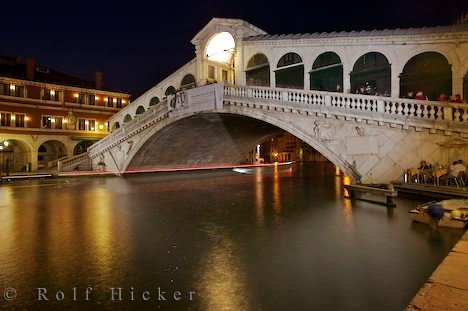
(389, 194)
(431, 191)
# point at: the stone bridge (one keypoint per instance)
(372, 139)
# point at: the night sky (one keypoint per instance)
(137, 44)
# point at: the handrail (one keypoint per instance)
(378, 107)
(54, 162)
(73, 160)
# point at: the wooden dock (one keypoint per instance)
(431, 191)
(389, 194)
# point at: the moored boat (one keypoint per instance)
(455, 214)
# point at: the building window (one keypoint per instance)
(12, 90)
(225, 75)
(81, 124)
(46, 122)
(81, 99)
(5, 119)
(119, 103)
(20, 120)
(211, 72)
(52, 95)
(91, 125)
(92, 99)
(110, 102)
(58, 123)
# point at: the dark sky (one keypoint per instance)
(137, 44)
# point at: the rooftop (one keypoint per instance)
(14, 68)
(364, 33)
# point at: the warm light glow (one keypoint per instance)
(65, 121)
(12, 87)
(114, 100)
(48, 119)
(53, 120)
(123, 101)
(101, 126)
(92, 129)
(1, 147)
(105, 98)
(26, 118)
(76, 95)
(96, 98)
(6, 143)
(86, 122)
(13, 118)
(221, 48)
(52, 93)
(276, 154)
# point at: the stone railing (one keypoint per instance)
(53, 163)
(406, 112)
(152, 115)
(73, 161)
(145, 98)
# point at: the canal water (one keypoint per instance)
(279, 238)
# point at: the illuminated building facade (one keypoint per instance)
(47, 115)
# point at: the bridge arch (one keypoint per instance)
(289, 71)
(50, 150)
(127, 118)
(327, 73)
(279, 124)
(257, 71)
(429, 72)
(140, 110)
(115, 126)
(154, 101)
(188, 81)
(372, 71)
(170, 90)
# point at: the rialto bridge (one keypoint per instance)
(245, 86)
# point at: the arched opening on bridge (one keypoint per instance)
(82, 147)
(170, 91)
(115, 125)
(371, 75)
(428, 72)
(140, 110)
(258, 71)
(154, 101)
(127, 118)
(219, 53)
(290, 72)
(327, 73)
(49, 151)
(188, 82)
(15, 156)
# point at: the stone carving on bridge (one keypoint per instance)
(321, 132)
(130, 145)
(360, 130)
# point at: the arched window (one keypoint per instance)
(154, 101)
(290, 72)
(327, 73)
(140, 110)
(188, 81)
(258, 71)
(371, 74)
(170, 90)
(82, 147)
(127, 118)
(428, 72)
(115, 126)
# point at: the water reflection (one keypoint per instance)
(222, 282)
(259, 198)
(276, 191)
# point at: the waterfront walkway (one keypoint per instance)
(447, 288)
